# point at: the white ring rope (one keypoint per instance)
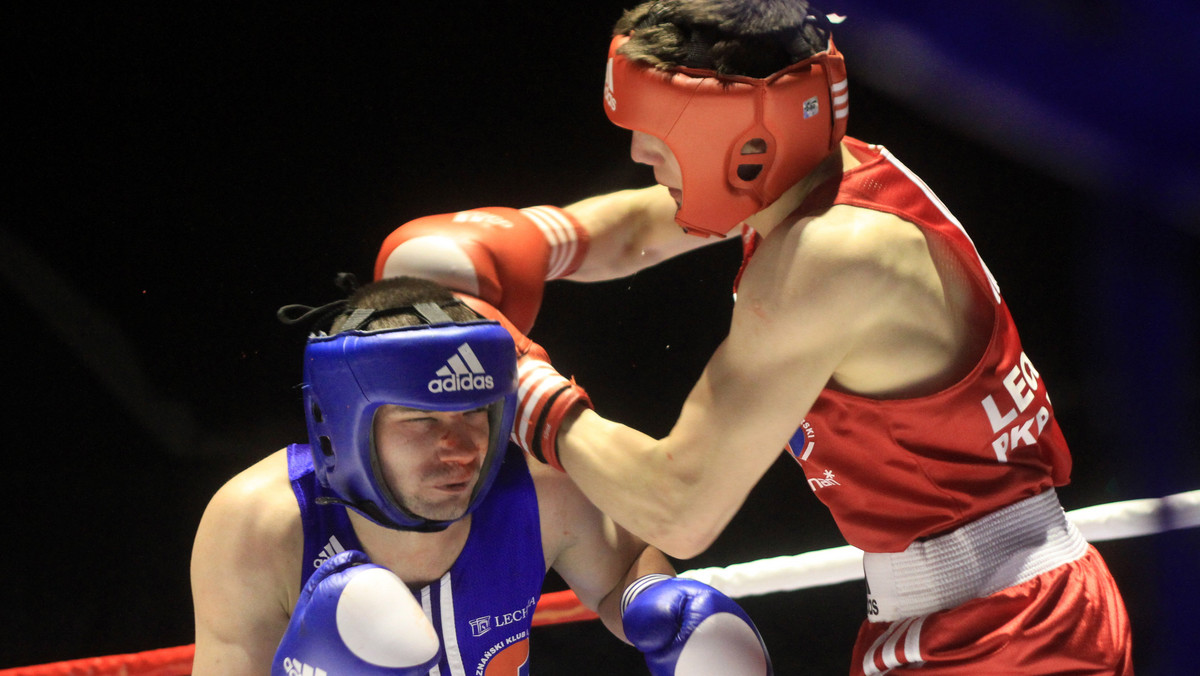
(1112, 521)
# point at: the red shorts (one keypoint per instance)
(1070, 620)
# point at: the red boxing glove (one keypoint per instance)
(544, 396)
(503, 256)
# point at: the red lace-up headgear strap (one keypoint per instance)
(740, 141)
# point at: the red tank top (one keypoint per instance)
(895, 470)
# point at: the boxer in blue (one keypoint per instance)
(409, 537)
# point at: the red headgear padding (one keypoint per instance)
(740, 141)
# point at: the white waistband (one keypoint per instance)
(1002, 549)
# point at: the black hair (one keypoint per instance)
(753, 38)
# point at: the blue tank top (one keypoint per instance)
(483, 606)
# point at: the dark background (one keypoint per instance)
(176, 173)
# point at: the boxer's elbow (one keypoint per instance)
(689, 513)
(683, 541)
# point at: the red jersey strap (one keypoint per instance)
(750, 242)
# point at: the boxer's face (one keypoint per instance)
(431, 459)
(651, 150)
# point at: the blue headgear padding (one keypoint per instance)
(440, 367)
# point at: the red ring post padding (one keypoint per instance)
(560, 608)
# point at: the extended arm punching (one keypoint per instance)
(676, 493)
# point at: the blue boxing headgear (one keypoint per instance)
(441, 366)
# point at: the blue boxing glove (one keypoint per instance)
(687, 628)
(354, 617)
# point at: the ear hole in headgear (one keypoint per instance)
(749, 172)
(326, 447)
(754, 146)
(316, 413)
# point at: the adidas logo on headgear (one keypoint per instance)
(609, 97)
(463, 371)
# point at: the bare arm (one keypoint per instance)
(630, 230)
(596, 557)
(813, 305)
(648, 562)
(241, 589)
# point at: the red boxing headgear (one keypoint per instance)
(740, 141)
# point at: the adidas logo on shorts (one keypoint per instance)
(463, 371)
